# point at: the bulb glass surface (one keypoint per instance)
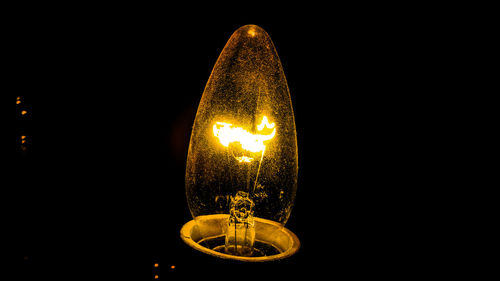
(242, 158)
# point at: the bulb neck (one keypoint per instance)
(240, 235)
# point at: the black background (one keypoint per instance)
(100, 188)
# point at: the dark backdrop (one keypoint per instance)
(100, 184)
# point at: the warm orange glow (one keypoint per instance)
(172, 267)
(156, 276)
(23, 137)
(156, 265)
(227, 133)
(265, 123)
(24, 112)
(242, 159)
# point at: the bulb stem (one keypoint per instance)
(240, 235)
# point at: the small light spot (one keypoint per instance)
(172, 266)
(251, 32)
(23, 137)
(24, 112)
(156, 276)
(156, 264)
(23, 141)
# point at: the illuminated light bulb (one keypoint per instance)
(242, 165)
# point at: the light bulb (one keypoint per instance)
(242, 165)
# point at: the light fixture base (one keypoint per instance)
(267, 232)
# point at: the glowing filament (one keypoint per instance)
(244, 159)
(227, 134)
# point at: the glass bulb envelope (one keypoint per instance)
(242, 165)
